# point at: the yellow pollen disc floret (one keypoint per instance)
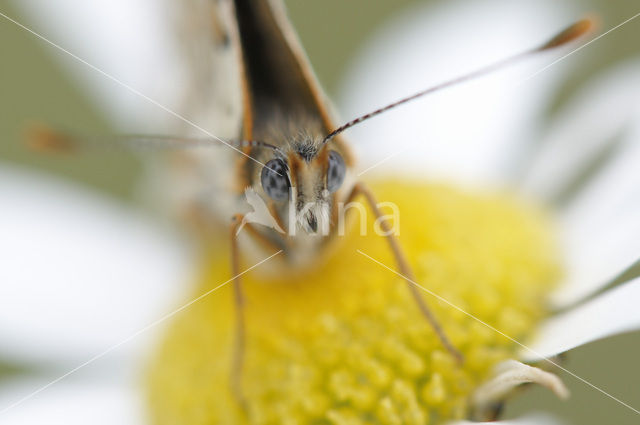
(344, 342)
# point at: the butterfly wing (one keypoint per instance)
(212, 94)
(276, 72)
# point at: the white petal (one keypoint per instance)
(79, 272)
(507, 376)
(71, 403)
(129, 40)
(530, 419)
(613, 312)
(583, 130)
(601, 225)
(470, 132)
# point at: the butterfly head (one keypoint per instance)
(301, 181)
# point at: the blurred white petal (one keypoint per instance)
(79, 272)
(583, 130)
(602, 225)
(71, 403)
(129, 40)
(531, 419)
(613, 312)
(507, 376)
(472, 132)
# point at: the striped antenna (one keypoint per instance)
(46, 139)
(569, 34)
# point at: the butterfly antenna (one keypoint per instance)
(569, 34)
(46, 139)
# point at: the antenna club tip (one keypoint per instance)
(42, 138)
(589, 24)
(576, 30)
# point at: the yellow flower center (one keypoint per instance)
(344, 342)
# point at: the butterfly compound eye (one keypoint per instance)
(336, 171)
(275, 181)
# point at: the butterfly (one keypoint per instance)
(285, 155)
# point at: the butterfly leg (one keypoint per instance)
(403, 267)
(237, 359)
(238, 353)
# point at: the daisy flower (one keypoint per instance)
(522, 230)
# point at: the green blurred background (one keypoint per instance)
(34, 88)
